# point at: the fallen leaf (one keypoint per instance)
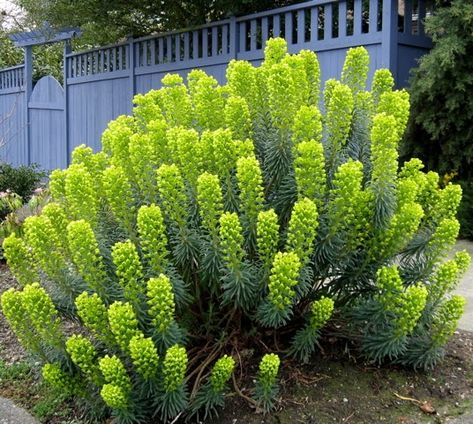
(427, 408)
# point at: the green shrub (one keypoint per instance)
(184, 243)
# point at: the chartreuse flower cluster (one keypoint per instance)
(128, 270)
(406, 305)
(304, 342)
(85, 255)
(153, 238)
(116, 391)
(20, 260)
(83, 354)
(123, 323)
(213, 211)
(266, 384)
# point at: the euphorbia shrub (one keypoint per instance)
(221, 219)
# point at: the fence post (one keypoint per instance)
(28, 81)
(233, 36)
(389, 46)
(67, 50)
(131, 70)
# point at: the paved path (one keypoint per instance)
(466, 289)
(12, 414)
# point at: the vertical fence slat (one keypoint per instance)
(357, 18)
(253, 35)
(186, 46)
(300, 26)
(276, 25)
(195, 45)
(422, 12)
(214, 50)
(328, 21)
(242, 32)
(288, 27)
(264, 31)
(153, 52)
(205, 42)
(342, 19)
(408, 17)
(160, 50)
(373, 16)
(177, 46)
(314, 24)
(225, 39)
(169, 48)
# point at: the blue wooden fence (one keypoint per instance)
(44, 125)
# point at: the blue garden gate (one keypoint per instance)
(47, 124)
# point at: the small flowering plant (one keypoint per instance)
(217, 217)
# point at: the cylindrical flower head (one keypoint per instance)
(384, 154)
(339, 115)
(172, 193)
(281, 95)
(174, 368)
(312, 69)
(82, 198)
(231, 239)
(210, 201)
(237, 117)
(250, 183)
(268, 370)
(93, 313)
(16, 314)
(114, 372)
(161, 302)
(153, 239)
(411, 305)
(299, 80)
(85, 254)
(309, 167)
(307, 125)
(396, 103)
(57, 215)
(275, 51)
(116, 138)
(142, 159)
(383, 82)
(302, 229)
(57, 378)
(241, 81)
(446, 319)
(123, 323)
(83, 354)
(176, 101)
(221, 373)
(284, 275)
(444, 237)
(19, 259)
(448, 202)
(208, 103)
(128, 269)
(445, 279)
(355, 69)
(320, 312)
(114, 396)
(42, 313)
(44, 242)
(463, 260)
(144, 356)
(267, 236)
(57, 185)
(94, 163)
(188, 153)
(119, 195)
(389, 283)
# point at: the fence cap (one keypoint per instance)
(44, 35)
